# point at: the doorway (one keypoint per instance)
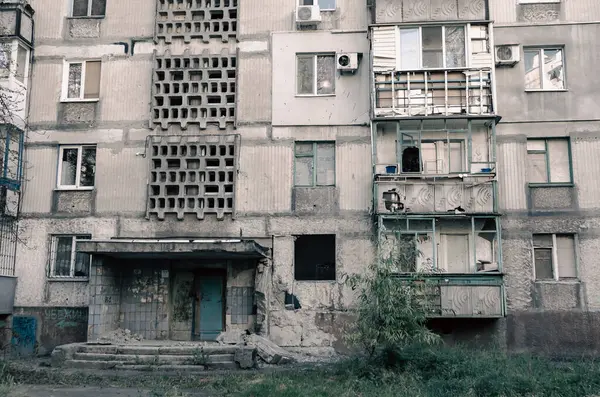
(209, 305)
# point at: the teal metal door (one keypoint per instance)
(211, 307)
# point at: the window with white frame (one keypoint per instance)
(88, 8)
(549, 161)
(65, 261)
(315, 74)
(538, 1)
(324, 5)
(76, 167)
(432, 47)
(554, 256)
(544, 69)
(81, 81)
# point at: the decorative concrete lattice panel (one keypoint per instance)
(196, 89)
(190, 19)
(192, 175)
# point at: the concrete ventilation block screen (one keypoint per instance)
(192, 175)
(314, 257)
(198, 89)
(201, 19)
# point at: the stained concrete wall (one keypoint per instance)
(349, 105)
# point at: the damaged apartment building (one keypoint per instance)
(198, 166)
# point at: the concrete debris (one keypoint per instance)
(269, 351)
(231, 337)
(121, 336)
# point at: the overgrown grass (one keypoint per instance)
(415, 372)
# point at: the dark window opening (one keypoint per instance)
(411, 160)
(314, 257)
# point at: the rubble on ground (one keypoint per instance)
(121, 336)
(269, 351)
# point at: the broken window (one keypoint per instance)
(554, 256)
(88, 8)
(76, 167)
(314, 257)
(315, 74)
(432, 47)
(65, 261)
(544, 69)
(439, 156)
(82, 81)
(324, 5)
(315, 164)
(549, 160)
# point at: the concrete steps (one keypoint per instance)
(189, 358)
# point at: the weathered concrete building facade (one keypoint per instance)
(196, 166)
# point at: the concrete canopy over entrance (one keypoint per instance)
(197, 248)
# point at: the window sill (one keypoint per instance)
(328, 10)
(314, 95)
(69, 279)
(565, 184)
(313, 186)
(73, 189)
(563, 281)
(541, 90)
(88, 17)
(79, 100)
(316, 281)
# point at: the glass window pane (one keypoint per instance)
(532, 69)
(4, 60)
(304, 171)
(538, 173)
(62, 264)
(91, 89)
(565, 247)
(432, 47)
(553, 70)
(326, 164)
(68, 167)
(80, 8)
(409, 49)
(536, 144)
(74, 88)
(21, 63)
(88, 167)
(325, 75)
(82, 261)
(558, 153)
(327, 4)
(542, 240)
(98, 7)
(306, 75)
(543, 264)
(455, 47)
(304, 148)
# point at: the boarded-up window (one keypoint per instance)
(314, 257)
(82, 81)
(549, 160)
(314, 164)
(554, 256)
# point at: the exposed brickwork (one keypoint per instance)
(190, 19)
(192, 175)
(196, 89)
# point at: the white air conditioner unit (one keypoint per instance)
(507, 55)
(308, 15)
(347, 61)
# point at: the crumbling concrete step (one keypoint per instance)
(85, 364)
(186, 350)
(176, 368)
(154, 350)
(162, 359)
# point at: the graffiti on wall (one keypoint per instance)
(24, 334)
(67, 317)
